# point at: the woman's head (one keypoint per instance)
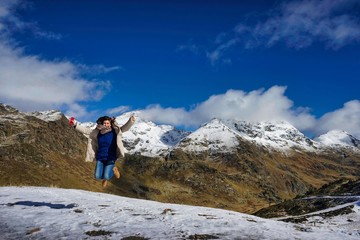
(106, 121)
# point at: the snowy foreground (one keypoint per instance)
(54, 213)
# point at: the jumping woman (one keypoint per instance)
(104, 146)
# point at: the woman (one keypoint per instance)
(104, 145)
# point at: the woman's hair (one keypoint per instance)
(103, 118)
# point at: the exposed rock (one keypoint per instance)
(332, 194)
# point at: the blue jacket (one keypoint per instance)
(106, 146)
(92, 146)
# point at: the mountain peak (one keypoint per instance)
(338, 138)
(147, 138)
(7, 108)
(213, 136)
(279, 135)
(47, 116)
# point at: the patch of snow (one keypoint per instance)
(47, 116)
(54, 213)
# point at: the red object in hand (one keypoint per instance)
(72, 121)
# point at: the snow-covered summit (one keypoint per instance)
(211, 137)
(8, 113)
(8, 108)
(338, 138)
(280, 135)
(223, 136)
(47, 116)
(149, 139)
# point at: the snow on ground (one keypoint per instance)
(348, 223)
(54, 213)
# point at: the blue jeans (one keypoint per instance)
(104, 170)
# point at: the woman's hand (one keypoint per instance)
(72, 121)
(132, 118)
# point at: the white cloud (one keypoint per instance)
(46, 35)
(118, 110)
(173, 116)
(298, 24)
(30, 82)
(346, 118)
(9, 22)
(97, 69)
(217, 54)
(76, 110)
(188, 47)
(259, 105)
(6, 16)
(256, 106)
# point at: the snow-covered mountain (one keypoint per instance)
(211, 137)
(47, 116)
(219, 136)
(149, 139)
(338, 138)
(279, 135)
(145, 137)
(55, 213)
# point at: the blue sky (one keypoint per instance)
(185, 62)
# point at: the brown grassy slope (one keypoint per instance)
(245, 182)
(38, 153)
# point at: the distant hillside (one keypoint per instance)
(35, 152)
(331, 195)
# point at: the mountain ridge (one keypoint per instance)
(150, 139)
(43, 150)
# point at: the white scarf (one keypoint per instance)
(103, 129)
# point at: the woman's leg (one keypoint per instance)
(99, 170)
(108, 170)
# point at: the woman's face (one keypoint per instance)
(107, 123)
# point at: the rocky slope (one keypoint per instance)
(42, 150)
(339, 197)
